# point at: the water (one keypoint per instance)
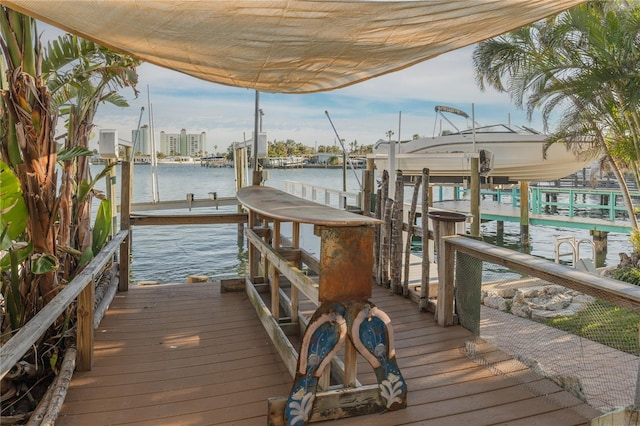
(168, 254)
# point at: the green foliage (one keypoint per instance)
(75, 152)
(13, 222)
(330, 149)
(629, 275)
(13, 210)
(20, 250)
(604, 323)
(102, 226)
(634, 239)
(43, 264)
(287, 149)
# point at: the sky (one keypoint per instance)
(402, 102)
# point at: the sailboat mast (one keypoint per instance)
(154, 159)
(473, 125)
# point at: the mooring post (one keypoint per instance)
(475, 197)
(396, 235)
(524, 216)
(126, 193)
(444, 224)
(426, 262)
(600, 247)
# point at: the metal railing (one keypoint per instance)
(322, 195)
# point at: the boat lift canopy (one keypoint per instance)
(287, 46)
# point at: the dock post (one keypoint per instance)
(126, 193)
(475, 196)
(85, 335)
(524, 216)
(600, 247)
(426, 263)
(407, 247)
(367, 191)
(396, 235)
(377, 239)
(444, 224)
(500, 232)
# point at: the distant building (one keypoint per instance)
(141, 140)
(183, 143)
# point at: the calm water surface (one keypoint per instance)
(168, 254)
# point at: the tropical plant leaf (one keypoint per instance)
(11, 293)
(70, 154)
(102, 226)
(44, 264)
(20, 251)
(13, 210)
(86, 257)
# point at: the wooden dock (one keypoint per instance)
(493, 210)
(190, 355)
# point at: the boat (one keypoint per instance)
(507, 155)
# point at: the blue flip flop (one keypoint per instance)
(372, 335)
(324, 336)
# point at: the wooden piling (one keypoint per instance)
(396, 235)
(475, 197)
(600, 247)
(125, 223)
(524, 217)
(377, 239)
(382, 267)
(385, 246)
(407, 251)
(426, 263)
(367, 190)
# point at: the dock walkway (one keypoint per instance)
(190, 355)
(493, 210)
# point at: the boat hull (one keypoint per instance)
(516, 157)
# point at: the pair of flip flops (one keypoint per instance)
(370, 331)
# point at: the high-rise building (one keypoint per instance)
(142, 140)
(183, 143)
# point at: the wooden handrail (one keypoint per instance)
(623, 294)
(19, 344)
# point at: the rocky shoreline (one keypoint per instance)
(535, 300)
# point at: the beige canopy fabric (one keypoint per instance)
(287, 46)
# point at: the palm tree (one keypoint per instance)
(581, 66)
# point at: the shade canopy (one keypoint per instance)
(287, 46)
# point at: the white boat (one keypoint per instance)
(506, 155)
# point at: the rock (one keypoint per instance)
(539, 302)
(529, 292)
(496, 302)
(197, 279)
(557, 302)
(583, 299)
(520, 309)
(541, 315)
(507, 292)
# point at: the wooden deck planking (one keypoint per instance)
(189, 355)
(182, 354)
